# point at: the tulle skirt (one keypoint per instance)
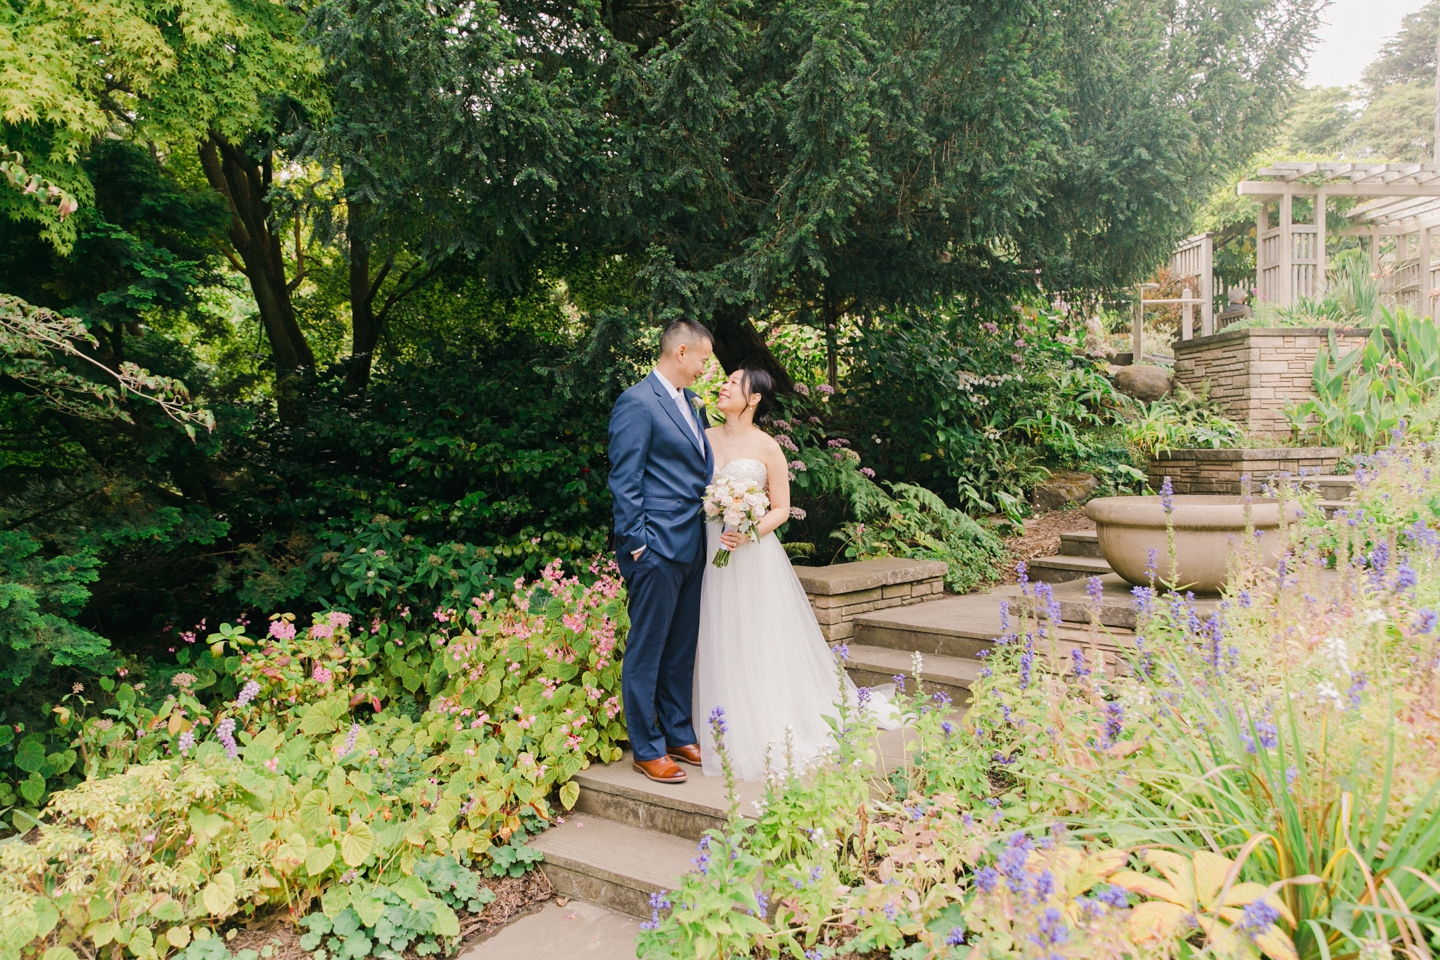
(762, 659)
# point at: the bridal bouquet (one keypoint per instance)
(739, 504)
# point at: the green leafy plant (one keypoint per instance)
(914, 523)
(1363, 395)
(1179, 421)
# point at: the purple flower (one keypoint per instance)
(1426, 621)
(1053, 928)
(1357, 687)
(841, 651)
(247, 693)
(186, 742)
(986, 879)
(717, 724)
(1167, 496)
(1021, 573)
(1244, 598)
(941, 698)
(862, 697)
(1112, 896)
(225, 733)
(1078, 655)
(1152, 564)
(899, 679)
(1114, 715)
(1044, 885)
(350, 739)
(948, 727)
(955, 938)
(1095, 589)
(1405, 578)
(1257, 917)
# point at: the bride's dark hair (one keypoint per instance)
(755, 380)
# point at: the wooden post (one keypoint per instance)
(1321, 278)
(1207, 287)
(1262, 223)
(1427, 306)
(1137, 326)
(1187, 315)
(1285, 289)
(1374, 252)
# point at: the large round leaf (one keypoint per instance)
(357, 843)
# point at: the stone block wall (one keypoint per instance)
(1219, 471)
(843, 591)
(1255, 373)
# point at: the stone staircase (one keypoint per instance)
(628, 837)
(1079, 559)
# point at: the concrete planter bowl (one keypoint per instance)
(1207, 528)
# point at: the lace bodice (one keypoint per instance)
(744, 468)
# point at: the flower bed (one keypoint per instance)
(315, 784)
(1261, 782)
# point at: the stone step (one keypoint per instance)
(616, 865)
(1332, 486)
(1080, 543)
(960, 626)
(616, 791)
(1117, 602)
(871, 666)
(1063, 569)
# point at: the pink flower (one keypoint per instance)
(187, 636)
(322, 675)
(787, 443)
(798, 466)
(323, 631)
(796, 513)
(801, 389)
(273, 764)
(338, 618)
(868, 472)
(826, 389)
(282, 629)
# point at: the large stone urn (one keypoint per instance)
(1207, 529)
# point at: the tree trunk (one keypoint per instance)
(364, 325)
(244, 184)
(739, 344)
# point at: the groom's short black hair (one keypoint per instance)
(684, 332)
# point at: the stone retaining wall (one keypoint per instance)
(843, 591)
(1219, 471)
(1255, 373)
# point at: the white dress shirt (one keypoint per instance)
(688, 415)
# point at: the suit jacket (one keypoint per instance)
(658, 472)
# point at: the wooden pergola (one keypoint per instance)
(1398, 200)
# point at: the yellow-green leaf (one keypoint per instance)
(315, 812)
(569, 794)
(219, 895)
(179, 937)
(357, 843)
(318, 860)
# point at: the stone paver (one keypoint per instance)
(576, 931)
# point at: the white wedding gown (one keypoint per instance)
(761, 657)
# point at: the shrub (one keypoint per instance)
(312, 781)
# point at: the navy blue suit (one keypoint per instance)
(658, 475)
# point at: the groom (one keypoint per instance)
(660, 464)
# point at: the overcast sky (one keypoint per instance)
(1352, 35)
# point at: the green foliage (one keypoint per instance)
(1181, 419)
(916, 524)
(1364, 395)
(198, 810)
(980, 412)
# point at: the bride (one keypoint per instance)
(760, 654)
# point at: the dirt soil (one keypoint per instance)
(514, 896)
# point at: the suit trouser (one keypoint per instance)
(658, 673)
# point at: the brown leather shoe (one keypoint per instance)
(661, 770)
(689, 753)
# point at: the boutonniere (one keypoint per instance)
(698, 403)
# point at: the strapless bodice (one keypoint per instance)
(744, 468)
